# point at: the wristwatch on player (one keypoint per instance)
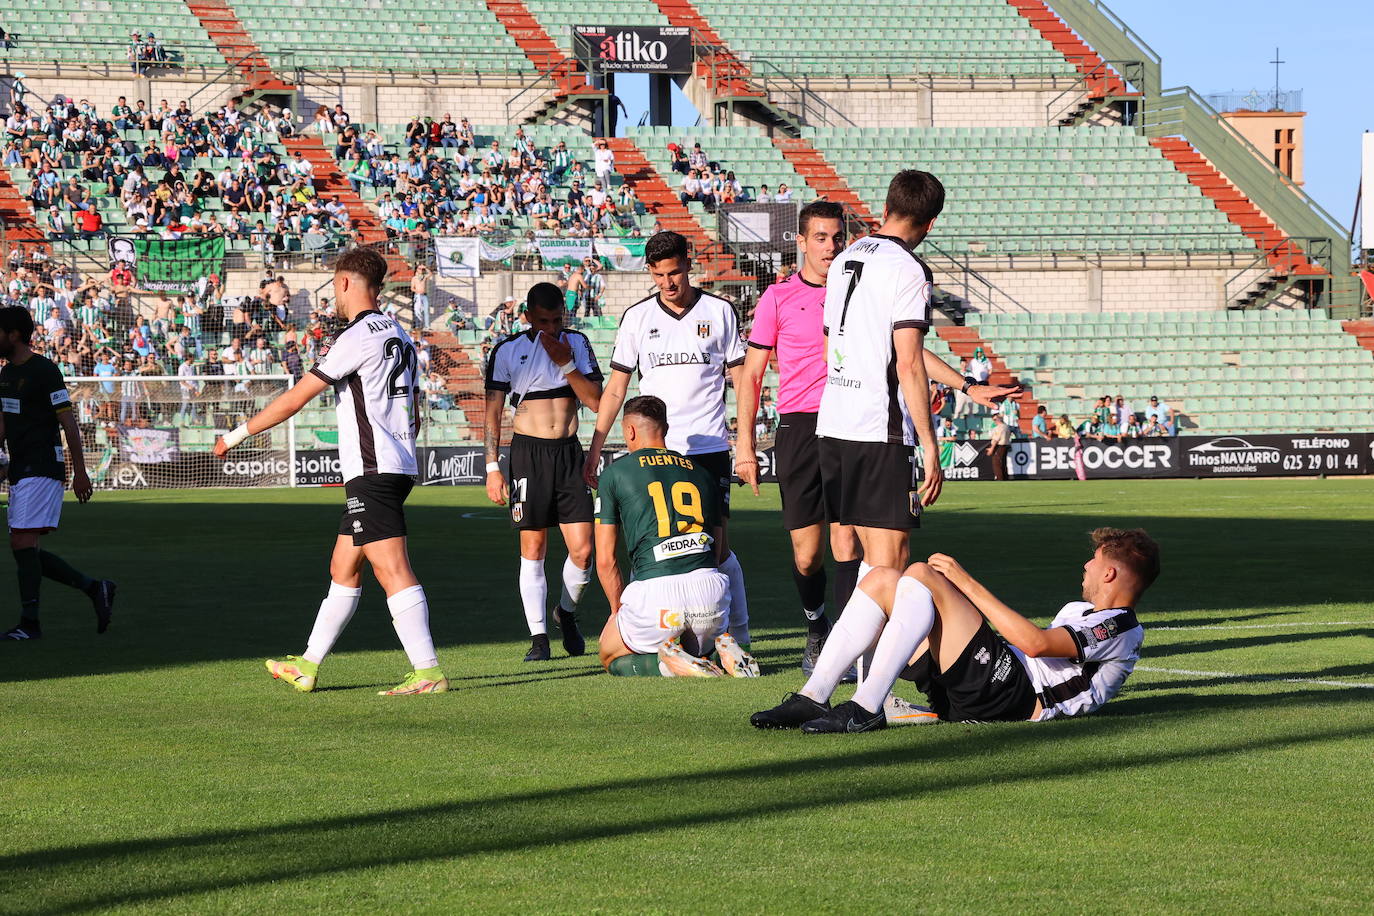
(969, 382)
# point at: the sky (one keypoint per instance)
(1219, 45)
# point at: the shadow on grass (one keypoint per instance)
(249, 584)
(95, 876)
(1150, 652)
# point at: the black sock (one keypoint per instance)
(811, 590)
(30, 569)
(57, 569)
(846, 580)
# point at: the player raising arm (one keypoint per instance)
(548, 373)
(934, 625)
(683, 342)
(372, 367)
(674, 612)
(35, 407)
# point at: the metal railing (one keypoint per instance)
(1317, 249)
(977, 289)
(1107, 34)
(544, 82)
(780, 90)
(1070, 100)
(1181, 112)
(1256, 100)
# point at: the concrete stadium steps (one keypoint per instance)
(726, 75)
(1362, 330)
(16, 213)
(820, 176)
(663, 202)
(1101, 80)
(540, 47)
(963, 341)
(463, 372)
(1285, 257)
(222, 24)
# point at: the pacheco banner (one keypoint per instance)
(169, 265)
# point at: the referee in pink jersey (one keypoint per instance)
(789, 321)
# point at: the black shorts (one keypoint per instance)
(870, 484)
(375, 509)
(797, 460)
(546, 485)
(719, 466)
(987, 684)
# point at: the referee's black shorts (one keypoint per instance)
(797, 462)
(375, 510)
(870, 484)
(546, 484)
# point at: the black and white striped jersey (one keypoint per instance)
(521, 366)
(1108, 644)
(375, 373)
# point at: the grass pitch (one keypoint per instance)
(158, 768)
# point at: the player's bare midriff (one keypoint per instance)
(547, 418)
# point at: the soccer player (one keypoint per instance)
(34, 406)
(372, 366)
(788, 322)
(548, 373)
(876, 403)
(683, 342)
(674, 610)
(934, 625)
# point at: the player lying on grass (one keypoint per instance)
(36, 407)
(934, 625)
(674, 611)
(372, 367)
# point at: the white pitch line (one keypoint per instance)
(1268, 626)
(1183, 672)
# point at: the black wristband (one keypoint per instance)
(969, 382)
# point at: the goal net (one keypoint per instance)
(157, 431)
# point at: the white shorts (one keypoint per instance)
(35, 504)
(694, 604)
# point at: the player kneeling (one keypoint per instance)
(934, 625)
(674, 611)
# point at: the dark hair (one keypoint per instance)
(544, 296)
(366, 263)
(915, 196)
(650, 408)
(819, 209)
(664, 245)
(17, 318)
(1131, 547)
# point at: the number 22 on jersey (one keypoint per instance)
(685, 510)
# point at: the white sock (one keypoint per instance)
(817, 614)
(913, 614)
(864, 569)
(739, 605)
(534, 594)
(574, 582)
(336, 610)
(410, 617)
(857, 629)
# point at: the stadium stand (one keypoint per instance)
(1224, 371)
(1018, 190)
(746, 152)
(84, 30)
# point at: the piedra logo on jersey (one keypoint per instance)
(683, 545)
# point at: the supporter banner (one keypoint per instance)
(148, 446)
(500, 254)
(1305, 454)
(458, 256)
(634, 49)
(621, 254)
(169, 265)
(557, 252)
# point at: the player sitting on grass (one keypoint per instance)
(675, 610)
(933, 625)
(373, 368)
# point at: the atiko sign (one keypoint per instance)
(634, 49)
